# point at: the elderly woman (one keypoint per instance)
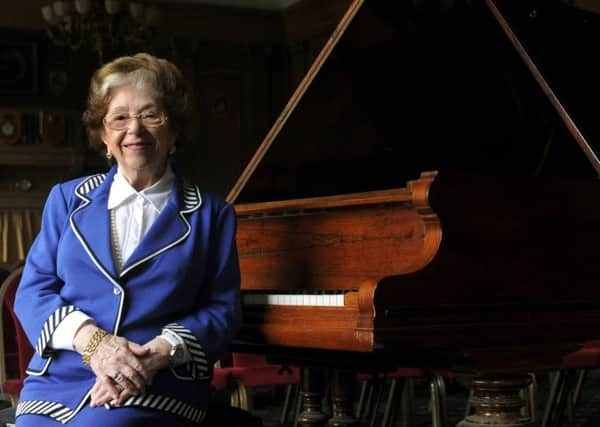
(131, 290)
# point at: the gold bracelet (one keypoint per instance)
(92, 345)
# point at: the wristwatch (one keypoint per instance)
(177, 353)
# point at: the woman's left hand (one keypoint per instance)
(157, 356)
(106, 390)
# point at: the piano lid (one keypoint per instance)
(431, 85)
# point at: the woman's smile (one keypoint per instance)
(137, 145)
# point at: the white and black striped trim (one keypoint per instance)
(166, 404)
(50, 326)
(63, 414)
(55, 410)
(89, 184)
(198, 368)
(191, 197)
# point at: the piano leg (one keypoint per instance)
(344, 383)
(497, 402)
(311, 393)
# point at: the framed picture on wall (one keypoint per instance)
(18, 67)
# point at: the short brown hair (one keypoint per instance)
(159, 75)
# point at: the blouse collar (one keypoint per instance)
(121, 192)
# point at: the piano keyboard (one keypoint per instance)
(303, 298)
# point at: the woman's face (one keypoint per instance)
(140, 152)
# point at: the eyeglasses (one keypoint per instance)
(121, 121)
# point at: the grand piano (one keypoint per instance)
(424, 199)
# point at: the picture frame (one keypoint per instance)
(18, 67)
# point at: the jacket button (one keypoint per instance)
(116, 291)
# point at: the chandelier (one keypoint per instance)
(109, 26)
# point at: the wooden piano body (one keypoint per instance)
(445, 263)
(397, 249)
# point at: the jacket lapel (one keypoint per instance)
(170, 228)
(90, 221)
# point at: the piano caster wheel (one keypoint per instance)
(497, 402)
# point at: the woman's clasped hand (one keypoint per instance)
(123, 368)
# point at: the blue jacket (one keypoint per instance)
(184, 275)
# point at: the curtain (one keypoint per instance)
(18, 228)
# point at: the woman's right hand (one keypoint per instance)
(118, 359)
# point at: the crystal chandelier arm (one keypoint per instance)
(83, 7)
(59, 8)
(112, 6)
(136, 10)
(57, 37)
(48, 15)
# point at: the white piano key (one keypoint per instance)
(321, 299)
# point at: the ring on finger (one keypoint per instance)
(120, 378)
(116, 379)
